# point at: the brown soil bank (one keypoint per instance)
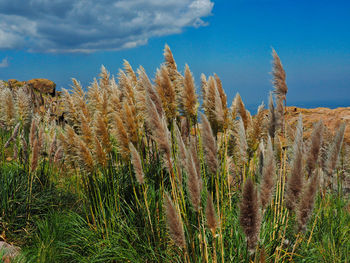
(332, 118)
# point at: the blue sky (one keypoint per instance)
(61, 39)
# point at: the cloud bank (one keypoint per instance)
(89, 25)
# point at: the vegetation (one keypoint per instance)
(140, 172)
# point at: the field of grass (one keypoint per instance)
(151, 171)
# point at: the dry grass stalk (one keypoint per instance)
(189, 97)
(122, 136)
(53, 147)
(242, 142)
(24, 107)
(58, 155)
(13, 135)
(85, 159)
(193, 183)
(126, 87)
(279, 77)
(136, 162)
(174, 223)
(257, 130)
(100, 154)
(314, 151)
(86, 132)
(306, 204)
(272, 118)
(204, 90)
(102, 133)
(104, 78)
(249, 214)
(209, 145)
(333, 154)
(196, 161)
(167, 94)
(35, 155)
(150, 92)
(157, 124)
(241, 110)
(211, 215)
(170, 63)
(268, 175)
(7, 107)
(130, 72)
(32, 133)
(296, 179)
(182, 153)
(130, 122)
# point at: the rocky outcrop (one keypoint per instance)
(43, 86)
(332, 118)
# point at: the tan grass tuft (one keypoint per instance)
(211, 215)
(166, 92)
(314, 151)
(249, 214)
(174, 223)
(296, 179)
(209, 145)
(307, 200)
(193, 183)
(268, 175)
(333, 154)
(136, 162)
(189, 97)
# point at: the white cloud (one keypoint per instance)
(4, 63)
(89, 25)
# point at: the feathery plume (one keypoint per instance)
(7, 107)
(314, 151)
(242, 142)
(272, 118)
(130, 72)
(100, 154)
(209, 145)
(333, 154)
(211, 215)
(249, 214)
(151, 92)
(122, 136)
(305, 207)
(174, 222)
(136, 162)
(268, 175)
(296, 179)
(193, 183)
(181, 146)
(32, 133)
(24, 106)
(170, 62)
(204, 89)
(279, 77)
(85, 158)
(189, 97)
(104, 75)
(58, 155)
(13, 136)
(166, 92)
(241, 110)
(160, 132)
(35, 155)
(130, 122)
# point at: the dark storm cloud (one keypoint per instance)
(88, 25)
